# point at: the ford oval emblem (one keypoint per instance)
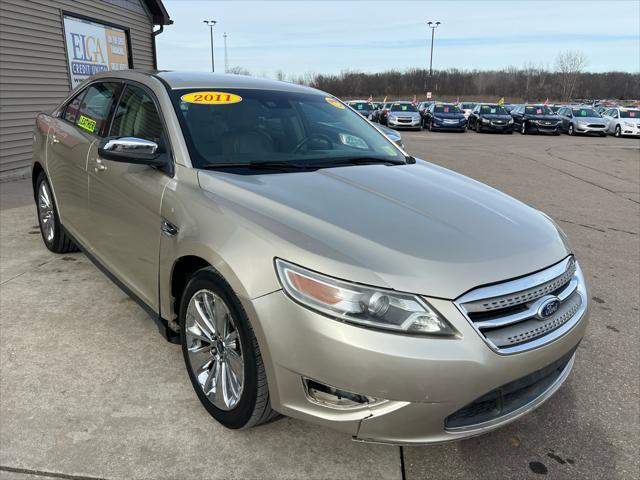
(548, 308)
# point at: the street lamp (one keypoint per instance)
(211, 24)
(433, 27)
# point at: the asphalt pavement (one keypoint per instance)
(88, 389)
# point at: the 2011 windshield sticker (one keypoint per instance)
(86, 123)
(334, 102)
(211, 98)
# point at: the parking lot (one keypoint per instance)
(88, 389)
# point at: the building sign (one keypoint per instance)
(93, 48)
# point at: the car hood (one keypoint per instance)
(404, 114)
(494, 116)
(544, 118)
(416, 228)
(458, 116)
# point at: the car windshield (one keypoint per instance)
(446, 109)
(467, 106)
(629, 113)
(242, 126)
(585, 112)
(403, 107)
(538, 110)
(492, 110)
(360, 106)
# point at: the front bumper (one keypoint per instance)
(632, 131)
(502, 127)
(586, 129)
(459, 126)
(414, 123)
(422, 380)
(541, 127)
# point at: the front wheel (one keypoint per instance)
(53, 234)
(617, 132)
(221, 353)
(523, 128)
(570, 130)
(478, 127)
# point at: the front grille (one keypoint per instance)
(404, 119)
(512, 316)
(509, 398)
(596, 125)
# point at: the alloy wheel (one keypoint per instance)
(523, 128)
(214, 349)
(617, 132)
(570, 131)
(46, 213)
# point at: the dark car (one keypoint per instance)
(422, 107)
(444, 116)
(363, 107)
(490, 117)
(536, 119)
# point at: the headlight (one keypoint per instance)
(510, 121)
(628, 124)
(581, 122)
(484, 120)
(392, 117)
(361, 305)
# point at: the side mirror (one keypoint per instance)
(130, 150)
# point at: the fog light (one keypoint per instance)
(334, 397)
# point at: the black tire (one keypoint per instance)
(523, 128)
(617, 132)
(478, 127)
(254, 406)
(431, 125)
(60, 241)
(570, 130)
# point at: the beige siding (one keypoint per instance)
(33, 64)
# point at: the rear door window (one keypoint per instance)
(94, 108)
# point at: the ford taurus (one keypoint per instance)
(306, 264)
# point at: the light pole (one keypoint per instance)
(211, 24)
(433, 27)
(226, 55)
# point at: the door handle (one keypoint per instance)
(100, 167)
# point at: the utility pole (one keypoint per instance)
(226, 54)
(211, 24)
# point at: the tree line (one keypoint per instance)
(514, 84)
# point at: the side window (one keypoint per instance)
(71, 110)
(95, 105)
(137, 116)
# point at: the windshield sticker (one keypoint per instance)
(632, 114)
(86, 123)
(334, 102)
(404, 108)
(493, 110)
(389, 150)
(211, 98)
(538, 111)
(446, 109)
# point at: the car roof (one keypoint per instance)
(177, 80)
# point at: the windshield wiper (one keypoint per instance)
(359, 161)
(264, 165)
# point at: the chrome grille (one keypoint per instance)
(509, 315)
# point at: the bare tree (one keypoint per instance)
(239, 71)
(569, 65)
(280, 75)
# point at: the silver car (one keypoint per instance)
(305, 263)
(582, 120)
(404, 115)
(622, 121)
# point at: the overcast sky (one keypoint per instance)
(330, 36)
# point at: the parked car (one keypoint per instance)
(510, 106)
(536, 119)
(467, 108)
(622, 121)
(304, 263)
(363, 107)
(583, 120)
(422, 107)
(490, 117)
(444, 116)
(382, 114)
(403, 115)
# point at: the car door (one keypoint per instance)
(73, 131)
(124, 198)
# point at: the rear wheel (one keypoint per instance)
(617, 132)
(53, 234)
(221, 353)
(570, 129)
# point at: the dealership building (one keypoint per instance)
(49, 46)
